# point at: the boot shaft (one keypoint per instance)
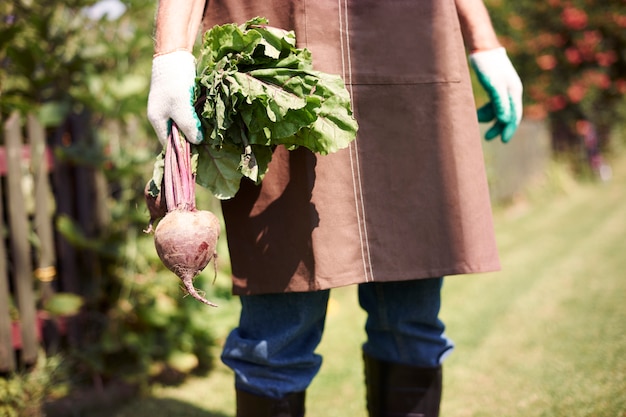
(396, 390)
(251, 405)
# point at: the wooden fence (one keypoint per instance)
(24, 167)
(35, 260)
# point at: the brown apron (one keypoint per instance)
(409, 198)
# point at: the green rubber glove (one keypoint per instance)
(504, 87)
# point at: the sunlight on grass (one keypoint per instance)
(544, 337)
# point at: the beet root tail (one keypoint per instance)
(191, 290)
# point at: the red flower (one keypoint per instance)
(574, 18)
(537, 92)
(583, 127)
(556, 103)
(576, 92)
(546, 62)
(573, 56)
(546, 40)
(516, 22)
(620, 19)
(607, 58)
(535, 111)
(588, 44)
(597, 79)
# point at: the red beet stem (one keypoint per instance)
(183, 156)
(178, 176)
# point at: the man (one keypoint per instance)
(406, 204)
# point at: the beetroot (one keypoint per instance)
(186, 238)
(185, 242)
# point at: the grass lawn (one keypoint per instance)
(546, 336)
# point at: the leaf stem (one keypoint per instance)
(179, 180)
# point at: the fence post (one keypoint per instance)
(87, 201)
(63, 180)
(45, 270)
(7, 354)
(20, 248)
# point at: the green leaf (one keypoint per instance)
(128, 86)
(53, 113)
(335, 126)
(217, 170)
(257, 90)
(72, 232)
(221, 171)
(64, 304)
(227, 39)
(157, 174)
(328, 134)
(184, 362)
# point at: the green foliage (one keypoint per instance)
(150, 331)
(139, 324)
(63, 304)
(257, 91)
(571, 57)
(23, 394)
(55, 61)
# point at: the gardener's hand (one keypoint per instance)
(172, 94)
(504, 87)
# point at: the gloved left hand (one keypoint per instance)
(504, 87)
(172, 94)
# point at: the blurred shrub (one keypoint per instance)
(57, 61)
(571, 56)
(23, 394)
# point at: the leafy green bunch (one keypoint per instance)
(255, 91)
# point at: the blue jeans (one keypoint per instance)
(272, 352)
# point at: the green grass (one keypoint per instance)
(546, 336)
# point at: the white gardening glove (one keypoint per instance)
(172, 94)
(504, 87)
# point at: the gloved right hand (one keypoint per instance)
(171, 96)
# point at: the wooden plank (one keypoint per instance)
(67, 256)
(26, 156)
(87, 201)
(45, 270)
(7, 355)
(20, 248)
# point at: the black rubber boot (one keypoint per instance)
(251, 405)
(396, 390)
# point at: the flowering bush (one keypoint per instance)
(571, 56)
